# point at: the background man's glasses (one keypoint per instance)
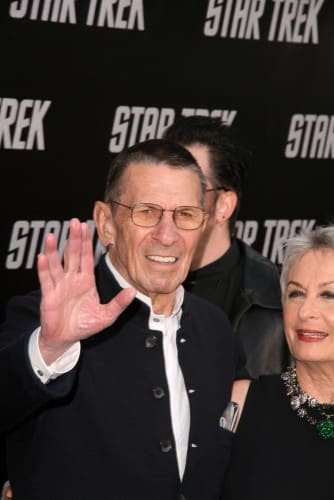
(149, 215)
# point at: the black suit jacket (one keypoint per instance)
(247, 286)
(100, 431)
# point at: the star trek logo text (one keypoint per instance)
(294, 21)
(120, 14)
(138, 123)
(310, 136)
(22, 123)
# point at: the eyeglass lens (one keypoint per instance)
(184, 217)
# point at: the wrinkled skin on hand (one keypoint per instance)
(70, 307)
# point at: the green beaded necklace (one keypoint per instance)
(315, 413)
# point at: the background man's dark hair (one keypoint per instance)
(228, 159)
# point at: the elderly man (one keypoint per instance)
(115, 379)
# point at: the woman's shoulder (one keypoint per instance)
(239, 394)
(240, 390)
(248, 388)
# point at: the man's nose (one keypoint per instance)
(166, 231)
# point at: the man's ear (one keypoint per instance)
(103, 220)
(226, 205)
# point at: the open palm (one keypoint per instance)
(70, 306)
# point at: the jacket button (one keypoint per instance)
(151, 341)
(158, 392)
(166, 445)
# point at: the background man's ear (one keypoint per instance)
(225, 205)
(104, 222)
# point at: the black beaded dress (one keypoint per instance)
(277, 455)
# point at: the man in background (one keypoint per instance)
(224, 270)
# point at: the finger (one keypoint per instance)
(45, 279)
(87, 257)
(120, 302)
(72, 254)
(54, 261)
(7, 493)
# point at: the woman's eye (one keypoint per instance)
(295, 293)
(327, 294)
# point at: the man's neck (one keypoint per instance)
(160, 303)
(214, 247)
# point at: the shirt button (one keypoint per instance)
(151, 341)
(166, 445)
(40, 373)
(182, 340)
(158, 392)
(156, 320)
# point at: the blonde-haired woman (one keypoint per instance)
(284, 442)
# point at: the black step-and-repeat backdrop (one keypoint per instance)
(80, 80)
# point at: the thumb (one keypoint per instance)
(121, 301)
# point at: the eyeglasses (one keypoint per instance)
(149, 215)
(220, 188)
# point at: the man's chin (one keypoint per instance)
(163, 287)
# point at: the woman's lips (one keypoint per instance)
(311, 335)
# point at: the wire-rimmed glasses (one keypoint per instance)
(150, 214)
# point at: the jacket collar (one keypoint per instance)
(261, 284)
